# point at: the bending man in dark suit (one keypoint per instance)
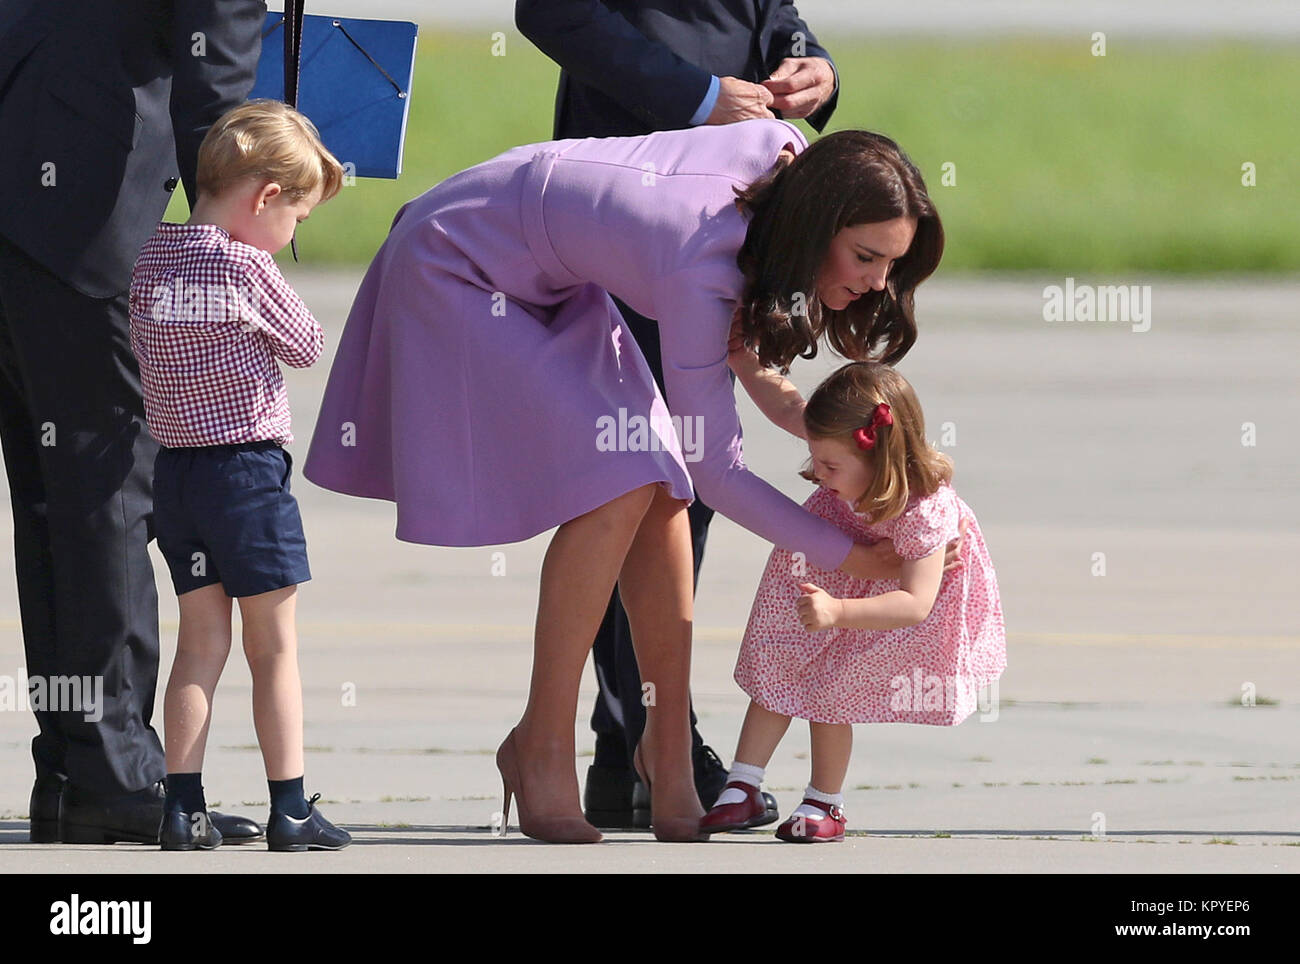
(102, 102)
(629, 68)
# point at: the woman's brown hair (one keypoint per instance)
(843, 179)
(902, 462)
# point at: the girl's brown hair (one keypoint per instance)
(843, 179)
(902, 462)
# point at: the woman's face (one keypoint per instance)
(859, 259)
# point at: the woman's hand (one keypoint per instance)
(879, 560)
(875, 561)
(817, 608)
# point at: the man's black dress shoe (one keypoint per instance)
(89, 819)
(188, 831)
(312, 832)
(43, 810)
(136, 817)
(234, 828)
(710, 775)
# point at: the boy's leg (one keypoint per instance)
(271, 646)
(201, 650)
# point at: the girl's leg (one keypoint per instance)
(832, 745)
(761, 732)
(578, 575)
(271, 645)
(656, 587)
(201, 650)
(759, 735)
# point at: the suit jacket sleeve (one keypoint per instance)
(601, 49)
(215, 49)
(788, 23)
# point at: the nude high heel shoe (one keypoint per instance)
(668, 829)
(548, 829)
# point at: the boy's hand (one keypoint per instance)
(817, 608)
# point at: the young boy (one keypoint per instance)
(210, 315)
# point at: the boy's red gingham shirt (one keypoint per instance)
(209, 318)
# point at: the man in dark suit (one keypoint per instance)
(102, 104)
(629, 68)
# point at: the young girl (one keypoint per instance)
(834, 650)
(211, 317)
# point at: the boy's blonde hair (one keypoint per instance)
(271, 141)
(903, 462)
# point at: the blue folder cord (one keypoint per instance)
(365, 53)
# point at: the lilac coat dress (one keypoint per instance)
(485, 382)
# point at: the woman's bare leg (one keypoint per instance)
(578, 576)
(656, 587)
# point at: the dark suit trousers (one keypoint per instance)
(80, 465)
(619, 716)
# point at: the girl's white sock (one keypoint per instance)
(812, 793)
(740, 773)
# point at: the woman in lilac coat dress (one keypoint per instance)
(485, 385)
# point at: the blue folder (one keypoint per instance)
(354, 83)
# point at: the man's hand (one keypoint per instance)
(800, 85)
(817, 608)
(739, 100)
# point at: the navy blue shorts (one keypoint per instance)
(223, 514)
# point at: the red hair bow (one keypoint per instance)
(866, 436)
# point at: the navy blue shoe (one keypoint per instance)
(312, 832)
(188, 831)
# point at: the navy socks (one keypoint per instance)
(185, 793)
(287, 798)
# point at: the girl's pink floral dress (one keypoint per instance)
(927, 673)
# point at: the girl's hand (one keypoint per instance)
(817, 608)
(952, 558)
(736, 350)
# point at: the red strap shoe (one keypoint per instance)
(735, 816)
(801, 829)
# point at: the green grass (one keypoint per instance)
(1108, 167)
